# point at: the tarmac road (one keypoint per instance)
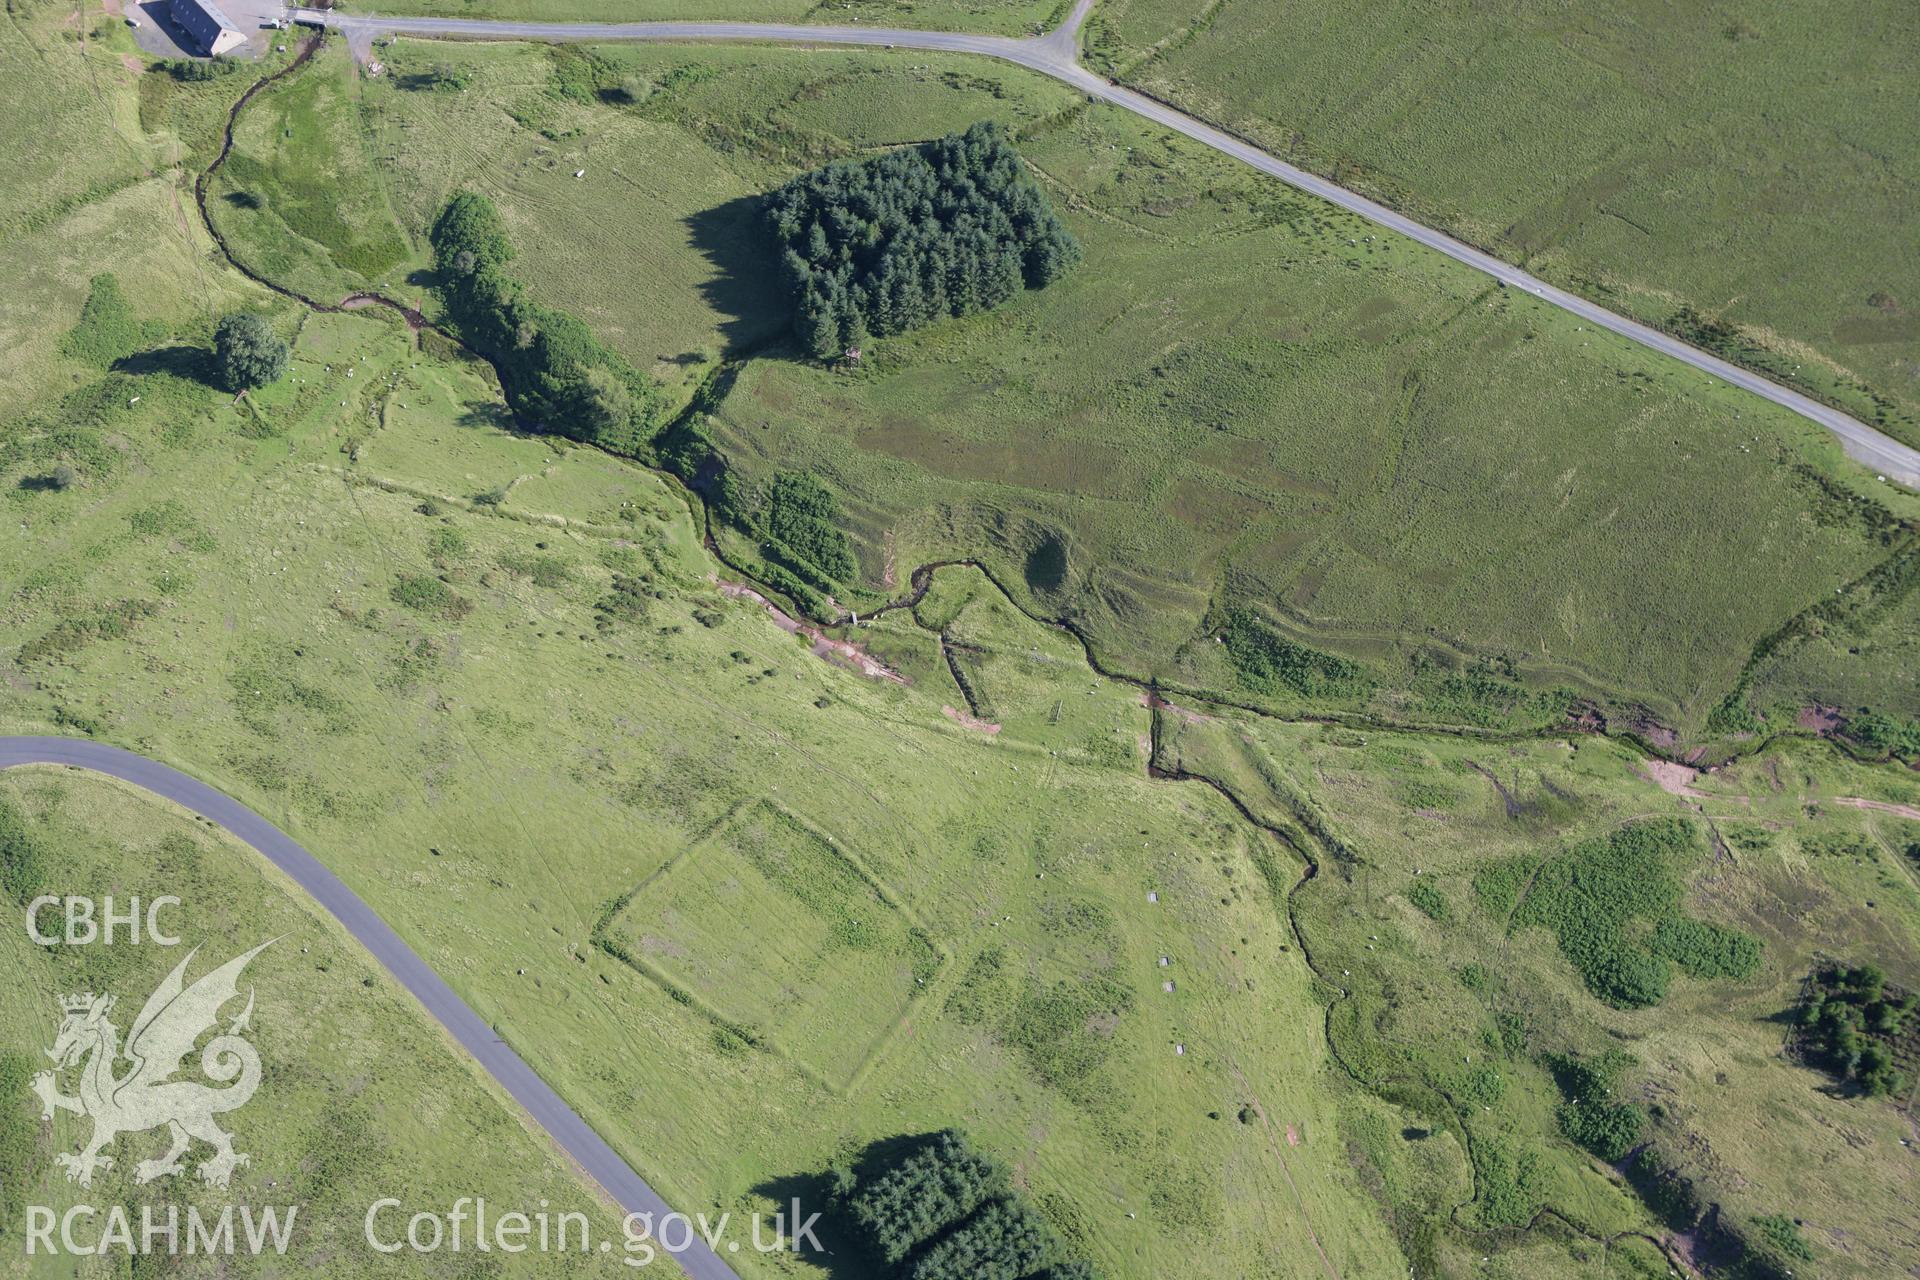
(1056, 54)
(587, 1149)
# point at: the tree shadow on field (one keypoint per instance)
(487, 413)
(193, 364)
(842, 1257)
(745, 285)
(845, 1255)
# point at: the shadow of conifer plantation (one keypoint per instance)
(745, 287)
(846, 1256)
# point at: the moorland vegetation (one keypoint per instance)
(1600, 898)
(523, 609)
(1852, 1024)
(1610, 148)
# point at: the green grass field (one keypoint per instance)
(1384, 456)
(1394, 461)
(750, 911)
(1452, 1010)
(496, 765)
(1745, 161)
(299, 198)
(829, 986)
(361, 1097)
(518, 754)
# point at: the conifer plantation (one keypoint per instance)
(889, 244)
(947, 1211)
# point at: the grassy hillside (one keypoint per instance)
(361, 1095)
(1251, 400)
(1748, 162)
(1456, 1006)
(532, 773)
(498, 721)
(751, 910)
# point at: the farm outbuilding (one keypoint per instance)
(210, 29)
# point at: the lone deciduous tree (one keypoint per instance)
(248, 351)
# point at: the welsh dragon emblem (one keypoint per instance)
(146, 1096)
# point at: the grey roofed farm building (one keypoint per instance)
(211, 29)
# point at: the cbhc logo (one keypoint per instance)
(86, 921)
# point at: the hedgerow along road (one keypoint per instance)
(1056, 54)
(543, 1106)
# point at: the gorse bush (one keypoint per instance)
(1667, 1191)
(1508, 1183)
(193, 69)
(1774, 1249)
(554, 371)
(112, 621)
(1704, 950)
(1499, 885)
(430, 595)
(19, 1127)
(445, 77)
(1598, 897)
(23, 860)
(689, 452)
(108, 330)
(1850, 1022)
(803, 518)
(889, 244)
(626, 601)
(1426, 895)
(583, 76)
(1270, 663)
(1883, 735)
(1591, 1116)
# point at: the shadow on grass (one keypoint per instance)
(846, 1256)
(841, 1256)
(487, 413)
(193, 364)
(745, 286)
